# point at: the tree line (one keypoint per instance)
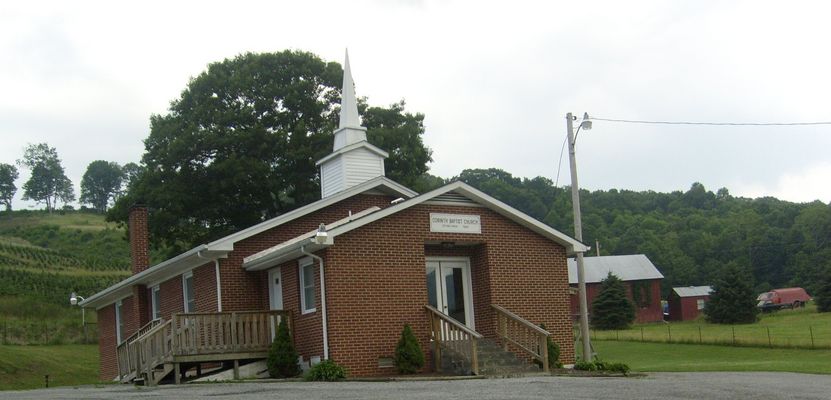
(240, 143)
(102, 183)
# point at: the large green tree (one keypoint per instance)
(101, 183)
(8, 174)
(240, 144)
(48, 183)
(611, 309)
(733, 299)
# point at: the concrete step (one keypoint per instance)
(493, 362)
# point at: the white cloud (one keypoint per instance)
(806, 185)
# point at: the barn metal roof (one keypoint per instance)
(692, 291)
(633, 267)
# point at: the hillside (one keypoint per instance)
(44, 258)
(689, 235)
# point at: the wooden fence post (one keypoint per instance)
(811, 330)
(770, 344)
(733, 327)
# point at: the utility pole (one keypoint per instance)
(578, 234)
(597, 246)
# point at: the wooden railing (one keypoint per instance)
(153, 348)
(449, 334)
(226, 332)
(513, 329)
(126, 353)
(200, 335)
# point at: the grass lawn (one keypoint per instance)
(787, 328)
(24, 367)
(662, 357)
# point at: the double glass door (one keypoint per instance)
(448, 288)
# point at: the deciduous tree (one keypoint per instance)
(240, 145)
(48, 182)
(101, 183)
(8, 174)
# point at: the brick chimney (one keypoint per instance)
(139, 241)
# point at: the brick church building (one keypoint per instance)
(348, 272)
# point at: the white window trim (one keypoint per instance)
(303, 263)
(118, 305)
(155, 304)
(699, 304)
(185, 277)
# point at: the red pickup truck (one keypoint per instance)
(782, 298)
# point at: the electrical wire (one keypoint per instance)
(560, 163)
(634, 121)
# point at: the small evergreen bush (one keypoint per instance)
(326, 370)
(585, 366)
(733, 300)
(408, 356)
(611, 309)
(282, 357)
(553, 353)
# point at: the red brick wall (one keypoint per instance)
(235, 280)
(172, 300)
(108, 367)
(308, 328)
(139, 248)
(376, 282)
(204, 287)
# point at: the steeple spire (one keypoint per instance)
(349, 103)
(354, 160)
(349, 130)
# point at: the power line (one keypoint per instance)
(635, 121)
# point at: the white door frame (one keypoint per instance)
(467, 285)
(273, 296)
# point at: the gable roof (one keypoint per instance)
(219, 248)
(633, 267)
(290, 249)
(692, 291)
(348, 148)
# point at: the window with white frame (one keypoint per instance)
(307, 286)
(699, 304)
(187, 292)
(156, 302)
(119, 322)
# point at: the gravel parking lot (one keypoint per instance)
(726, 385)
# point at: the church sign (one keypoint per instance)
(455, 223)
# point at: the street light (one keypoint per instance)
(585, 124)
(73, 300)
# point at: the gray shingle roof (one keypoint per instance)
(628, 268)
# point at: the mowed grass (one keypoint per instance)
(24, 367)
(67, 220)
(787, 328)
(662, 357)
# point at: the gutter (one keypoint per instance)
(322, 302)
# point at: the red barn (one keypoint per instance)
(686, 303)
(347, 272)
(641, 277)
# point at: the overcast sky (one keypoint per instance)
(494, 80)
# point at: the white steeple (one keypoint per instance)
(353, 160)
(349, 130)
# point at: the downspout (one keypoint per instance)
(322, 302)
(218, 287)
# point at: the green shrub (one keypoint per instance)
(553, 353)
(585, 366)
(326, 370)
(408, 356)
(599, 365)
(282, 357)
